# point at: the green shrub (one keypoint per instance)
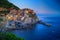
(9, 36)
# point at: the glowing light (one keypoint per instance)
(9, 17)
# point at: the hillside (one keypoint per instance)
(7, 4)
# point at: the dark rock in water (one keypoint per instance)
(21, 28)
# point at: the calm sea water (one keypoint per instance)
(41, 32)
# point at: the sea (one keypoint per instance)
(40, 31)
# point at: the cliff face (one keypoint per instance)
(7, 4)
(29, 18)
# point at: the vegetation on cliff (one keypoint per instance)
(8, 36)
(7, 4)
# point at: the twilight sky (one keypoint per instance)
(39, 6)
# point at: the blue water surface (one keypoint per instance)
(41, 32)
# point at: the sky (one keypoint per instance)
(39, 6)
